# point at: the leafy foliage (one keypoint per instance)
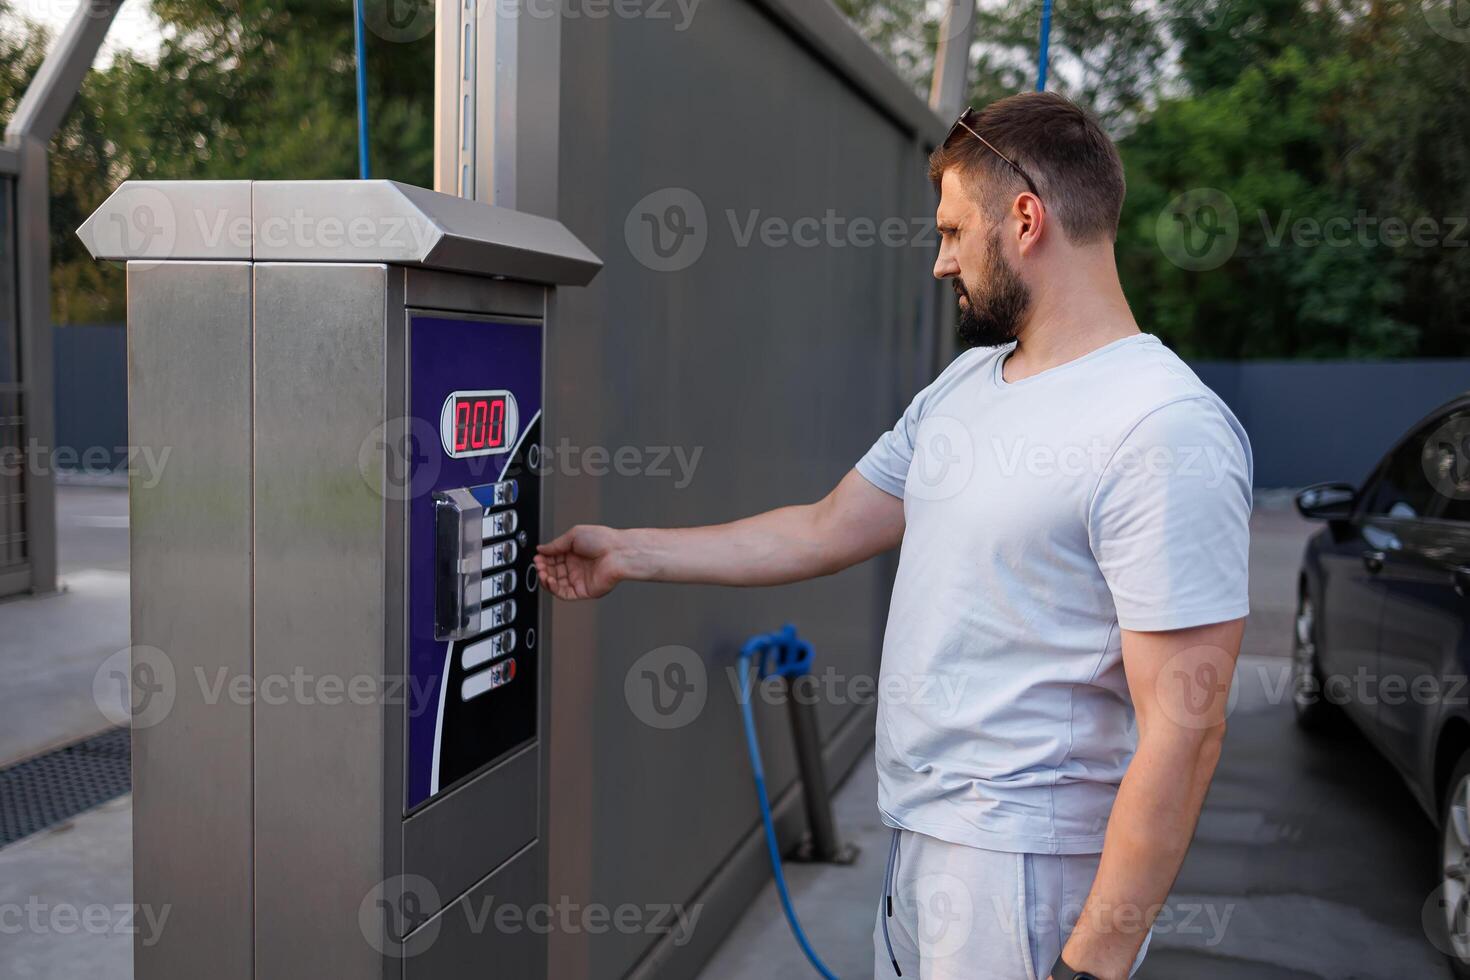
(1332, 132)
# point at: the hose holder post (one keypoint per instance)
(786, 655)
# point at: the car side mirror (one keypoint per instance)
(1327, 501)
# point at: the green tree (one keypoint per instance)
(1297, 281)
(260, 89)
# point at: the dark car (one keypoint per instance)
(1383, 629)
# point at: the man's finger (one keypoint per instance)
(559, 545)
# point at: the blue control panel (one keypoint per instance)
(475, 398)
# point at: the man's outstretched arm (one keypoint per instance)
(851, 524)
(1180, 682)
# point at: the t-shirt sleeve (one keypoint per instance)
(886, 465)
(1170, 519)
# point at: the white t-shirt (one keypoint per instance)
(1041, 516)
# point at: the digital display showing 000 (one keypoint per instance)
(478, 423)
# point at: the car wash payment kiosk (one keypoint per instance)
(339, 652)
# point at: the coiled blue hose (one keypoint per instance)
(786, 645)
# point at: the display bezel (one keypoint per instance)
(512, 423)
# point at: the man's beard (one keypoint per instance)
(993, 315)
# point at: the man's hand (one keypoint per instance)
(581, 564)
(851, 524)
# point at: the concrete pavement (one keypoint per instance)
(1311, 859)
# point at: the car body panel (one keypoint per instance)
(1391, 585)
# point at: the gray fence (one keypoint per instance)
(1329, 420)
(737, 178)
(90, 363)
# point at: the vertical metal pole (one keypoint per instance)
(31, 127)
(497, 119)
(950, 87)
(456, 96)
(804, 734)
(37, 375)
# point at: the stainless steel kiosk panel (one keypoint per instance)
(333, 576)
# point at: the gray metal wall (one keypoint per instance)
(1332, 420)
(90, 363)
(779, 364)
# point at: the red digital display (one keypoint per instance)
(479, 423)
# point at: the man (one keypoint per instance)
(1073, 506)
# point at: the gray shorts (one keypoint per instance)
(965, 913)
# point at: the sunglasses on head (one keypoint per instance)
(964, 122)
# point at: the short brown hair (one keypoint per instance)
(1077, 171)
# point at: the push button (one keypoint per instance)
(488, 649)
(498, 586)
(498, 555)
(504, 493)
(499, 524)
(488, 680)
(498, 615)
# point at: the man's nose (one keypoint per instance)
(945, 267)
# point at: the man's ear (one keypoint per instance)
(1030, 217)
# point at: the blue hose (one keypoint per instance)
(364, 168)
(1045, 47)
(762, 645)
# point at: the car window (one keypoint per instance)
(1446, 459)
(1410, 482)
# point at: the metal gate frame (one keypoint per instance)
(27, 406)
